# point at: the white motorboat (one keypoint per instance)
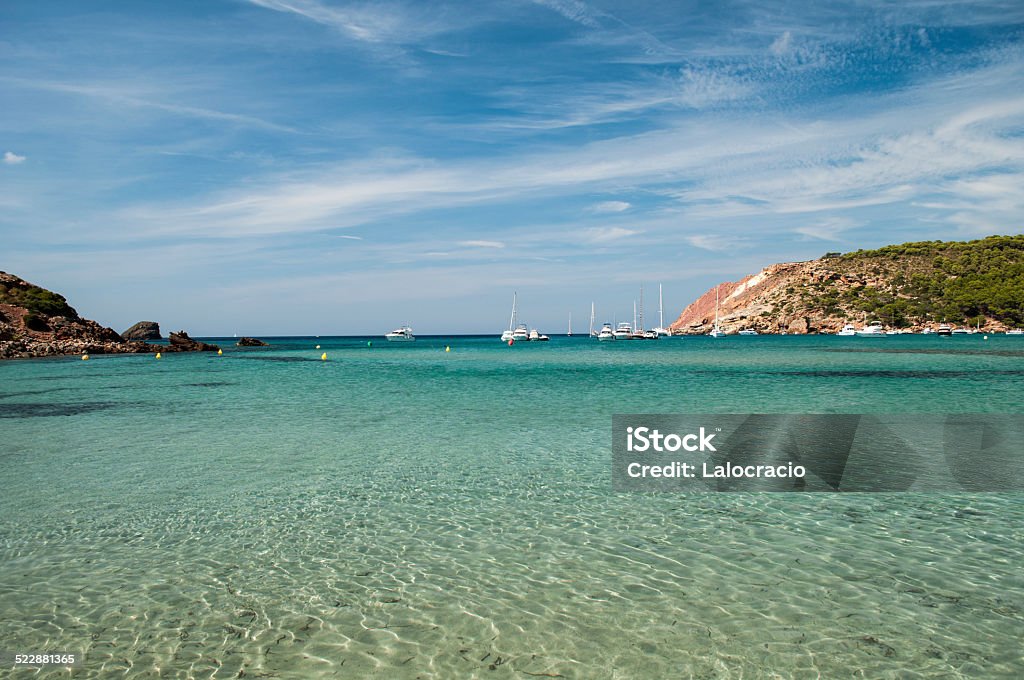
(747, 331)
(872, 330)
(945, 329)
(1016, 331)
(624, 331)
(538, 337)
(521, 333)
(960, 331)
(849, 330)
(606, 332)
(402, 334)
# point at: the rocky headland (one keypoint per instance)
(909, 286)
(35, 322)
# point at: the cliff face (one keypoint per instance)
(910, 286)
(36, 322)
(143, 330)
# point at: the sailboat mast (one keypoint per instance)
(512, 321)
(661, 312)
(634, 315)
(570, 324)
(591, 318)
(716, 308)
(641, 327)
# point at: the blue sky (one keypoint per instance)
(305, 166)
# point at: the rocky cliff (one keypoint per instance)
(36, 322)
(910, 286)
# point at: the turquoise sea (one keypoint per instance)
(399, 511)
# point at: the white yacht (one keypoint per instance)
(606, 332)
(747, 331)
(928, 331)
(521, 333)
(402, 334)
(1016, 331)
(945, 329)
(537, 337)
(624, 331)
(960, 331)
(872, 330)
(849, 330)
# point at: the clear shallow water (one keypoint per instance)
(402, 512)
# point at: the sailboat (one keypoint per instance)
(570, 325)
(507, 335)
(592, 319)
(716, 332)
(661, 330)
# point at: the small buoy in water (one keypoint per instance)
(323, 357)
(318, 346)
(511, 342)
(984, 337)
(158, 355)
(220, 352)
(447, 348)
(85, 357)
(369, 343)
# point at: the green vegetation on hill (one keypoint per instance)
(925, 281)
(36, 300)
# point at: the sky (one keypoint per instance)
(287, 167)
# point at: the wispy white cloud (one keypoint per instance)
(781, 44)
(606, 234)
(351, 238)
(482, 244)
(11, 158)
(610, 206)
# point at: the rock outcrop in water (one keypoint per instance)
(250, 342)
(180, 342)
(35, 322)
(143, 330)
(911, 286)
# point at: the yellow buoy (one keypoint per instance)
(85, 357)
(158, 355)
(447, 348)
(323, 357)
(219, 352)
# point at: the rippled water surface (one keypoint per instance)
(399, 511)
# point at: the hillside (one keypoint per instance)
(912, 285)
(36, 322)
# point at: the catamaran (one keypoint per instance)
(661, 330)
(507, 335)
(716, 332)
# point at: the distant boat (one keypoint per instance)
(537, 337)
(661, 330)
(1016, 331)
(606, 332)
(849, 330)
(960, 331)
(747, 331)
(570, 325)
(872, 330)
(521, 333)
(945, 329)
(716, 332)
(402, 334)
(507, 335)
(624, 331)
(928, 331)
(592, 333)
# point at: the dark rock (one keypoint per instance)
(143, 330)
(180, 342)
(250, 342)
